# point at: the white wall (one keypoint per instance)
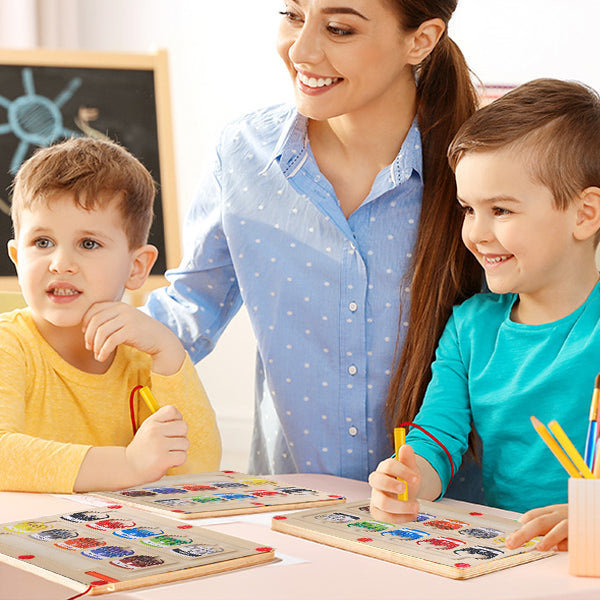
(18, 28)
(513, 41)
(223, 63)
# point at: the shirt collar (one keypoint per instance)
(291, 144)
(291, 149)
(410, 157)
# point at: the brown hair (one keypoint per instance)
(94, 171)
(443, 272)
(554, 126)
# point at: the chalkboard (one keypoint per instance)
(46, 96)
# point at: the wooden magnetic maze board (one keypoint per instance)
(448, 541)
(218, 494)
(119, 548)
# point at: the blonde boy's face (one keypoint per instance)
(523, 242)
(68, 258)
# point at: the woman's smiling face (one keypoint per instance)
(344, 55)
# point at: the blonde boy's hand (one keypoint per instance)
(107, 325)
(549, 521)
(385, 505)
(159, 444)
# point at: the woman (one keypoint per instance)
(316, 215)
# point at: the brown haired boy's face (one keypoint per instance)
(68, 258)
(523, 242)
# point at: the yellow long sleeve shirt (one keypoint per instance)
(52, 413)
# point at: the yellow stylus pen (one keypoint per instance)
(149, 399)
(400, 440)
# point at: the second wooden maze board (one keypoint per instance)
(218, 494)
(454, 542)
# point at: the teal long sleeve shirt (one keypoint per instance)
(496, 373)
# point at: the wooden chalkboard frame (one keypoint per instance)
(156, 62)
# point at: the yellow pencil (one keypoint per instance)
(569, 449)
(149, 399)
(555, 448)
(400, 440)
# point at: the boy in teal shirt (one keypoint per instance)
(528, 177)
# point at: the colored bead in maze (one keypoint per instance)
(110, 524)
(195, 550)
(54, 534)
(166, 490)
(80, 543)
(139, 561)
(404, 534)
(85, 516)
(167, 540)
(370, 525)
(107, 552)
(27, 526)
(138, 532)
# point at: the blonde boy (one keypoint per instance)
(81, 212)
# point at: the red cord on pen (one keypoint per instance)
(131, 409)
(89, 589)
(409, 424)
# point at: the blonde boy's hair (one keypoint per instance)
(94, 172)
(553, 125)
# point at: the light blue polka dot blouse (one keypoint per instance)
(322, 291)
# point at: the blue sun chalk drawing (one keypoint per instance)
(35, 119)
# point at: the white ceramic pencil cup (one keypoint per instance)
(584, 527)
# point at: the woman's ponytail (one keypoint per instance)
(443, 272)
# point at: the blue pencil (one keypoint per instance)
(592, 433)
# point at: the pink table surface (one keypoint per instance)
(322, 573)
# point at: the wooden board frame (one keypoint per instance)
(107, 534)
(352, 528)
(157, 63)
(230, 493)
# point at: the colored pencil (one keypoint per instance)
(597, 463)
(597, 448)
(592, 433)
(552, 444)
(570, 450)
(400, 440)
